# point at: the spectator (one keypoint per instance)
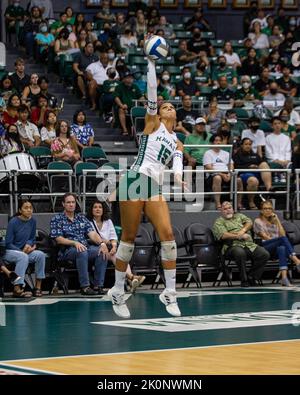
(274, 95)
(270, 24)
(166, 27)
(128, 39)
(232, 58)
(70, 15)
(31, 92)
(120, 25)
(45, 6)
(165, 82)
(13, 14)
(276, 37)
(200, 136)
(184, 56)
(222, 70)
(48, 132)
(262, 85)
(186, 116)
(19, 79)
(219, 160)
(236, 126)
(44, 83)
(285, 48)
(81, 63)
(286, 85)
(21, 249)
(294, 116)
(287, 129)
(224, 132)
(6, 89)
(79, 22)
(107, 97)
(233, 230)
(83, 40)
(269, 228)
(11, 115)
(112, 42)
(249, 16)
(187, 86)
(39, 114)
(198, 45)
(124, 95)
(153, 16)
(281, 19)
(91, 36)
(213, 115)
(10, 142)
(96, 75)
(140, 25)
(278, 150)
(256, 135)
(259, 39)
(59, 25)
(31, 29)
(223, 93)
(28, 131)
(273, 62)
(136, 6)
(202, 74)
(246, 93)
(250, 65)
(198, 21)
(81, 130)
(243, 52)
(245, 158)
(72, 232)
(64, 147)
(72, 36)
(45, 44)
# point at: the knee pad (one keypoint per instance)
(125, 251)
(168, 250)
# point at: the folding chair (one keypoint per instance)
(94, 154)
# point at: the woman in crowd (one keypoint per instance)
(32, 91)
(213, 116)
(287, 129)
(269, 228)
(232, 58)
(6, 88)
(165, 82)
(81, 130)
(10, 142)
(11, 115)
(64, 147)
(48, 132)
(82, 39)
(21, 249)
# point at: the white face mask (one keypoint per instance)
(187, 75)
(246, 85)
(111, 56)
(232, 121)
(165, 77)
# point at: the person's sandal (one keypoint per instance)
(37, 293)
(22, 294)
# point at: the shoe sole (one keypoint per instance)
(169, 307)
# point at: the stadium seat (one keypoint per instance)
(94, 154)
(181, 137)
(42, 156)
(241, 113)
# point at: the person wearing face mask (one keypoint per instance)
(45, 41)
(107, 97)
(222, 70)
(236, 126)
(233, 230)
(13, 14)
(103, 37)
(274, 95)
(294, 117)
(198, 45)
(187, 86)
(246, 93)
(165, 82)
(30, 30)
(61, 47)
(256, 135)
(11, 142)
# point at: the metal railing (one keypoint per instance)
(8, 176)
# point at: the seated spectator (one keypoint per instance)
(72, 233)
(140, 26)
(31, 29)
(82, 40)
(232, 58)
(96, 75)
(165, 82)
(128, 39)
(2, 127)
(222, 70)
(278, 150)
(107, 98)
(10, 142)
(14, 14)
(43, 84)
(111, 43)
(269, 228)
(293, 114)
(166, 27)
(81, 130)
(286, 85)
(273, 95)
(6, 89)
(249, 15)
(246, 93)
(72, 36)
(223, 93)
(187, 86)
(12, 276)
(233, 230)
(45, 6)
(202, 74)
(198, 21)
(245, 158)
(19, 79)
(153, 16)
(235, 126)
(213, 115)
(48, 132)
(135, 7)
(70, 15)
(59, 25)
(105, 14)
(263, 84)
(285, 48)
(120, 25)
(200, 136)
(79, 22)
(184, 56)
(82, 61)
(270, 24)
(124, 95)
(225, 133)
(31, 92)
(250, 65)
(21, 249)
(186, 116)
(273, 62)
(259, 39)
(287, 129)
(64, 147)
(11, 115)
(244, 51)
(39, 114)
(28, 131)
(200, 46)
(256, 135)
(276, 37)
(45, 45)
(219, 160)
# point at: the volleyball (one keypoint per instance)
(156, 47)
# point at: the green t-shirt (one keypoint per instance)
(252, 94)
(197, 153)
(202, 79)
(14, 12)
(289, 130)
(237, 128)
(228, 72)
(126, 94)
(109, 86)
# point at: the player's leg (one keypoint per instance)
(158, 214)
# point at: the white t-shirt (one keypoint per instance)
(257, 138)
(47, 134)
(294, 117)
(231, 59)
(278, 146)
(98, 72)
(107, 232)
(219, 160)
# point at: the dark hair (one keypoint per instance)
(9, 102)
(69, 194)
(105, 215)
(58, 128)
(42, 96)
(244, 139)
(213, 137)
(275, 119)
(253, 119)
(13, 136)
(19, 60)
(77, 112)
(62, 13)
(43, 78)
(21, 203)
(23, 108)
(62, 32)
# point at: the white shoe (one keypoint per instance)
(168, 298)
(118, 302)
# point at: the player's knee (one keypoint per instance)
(125, 251)
(168, 250)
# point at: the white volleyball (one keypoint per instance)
(156, 47)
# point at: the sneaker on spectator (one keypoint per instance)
(13, 277)
(283, 178)
(108, 117)
(88, 291)
(276, 179)
(285, 282)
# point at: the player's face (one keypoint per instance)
(167, 111)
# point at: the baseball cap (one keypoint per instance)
(200, 120)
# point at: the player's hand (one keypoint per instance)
(180, 182)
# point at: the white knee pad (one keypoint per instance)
(168, 250)
(125, 251)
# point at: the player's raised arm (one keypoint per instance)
(151, 120)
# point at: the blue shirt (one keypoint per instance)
(76, 230)
(19, 233)
(82, 133)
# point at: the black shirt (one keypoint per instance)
(188, 89)
(84, 61)
(186, 116)
(261, 85)
(196, 46)
(18, 83)
(286, 85)
(242, 160)
(249, 68)
(223, 94)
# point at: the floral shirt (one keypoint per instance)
(58, 147)
(82, 133)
